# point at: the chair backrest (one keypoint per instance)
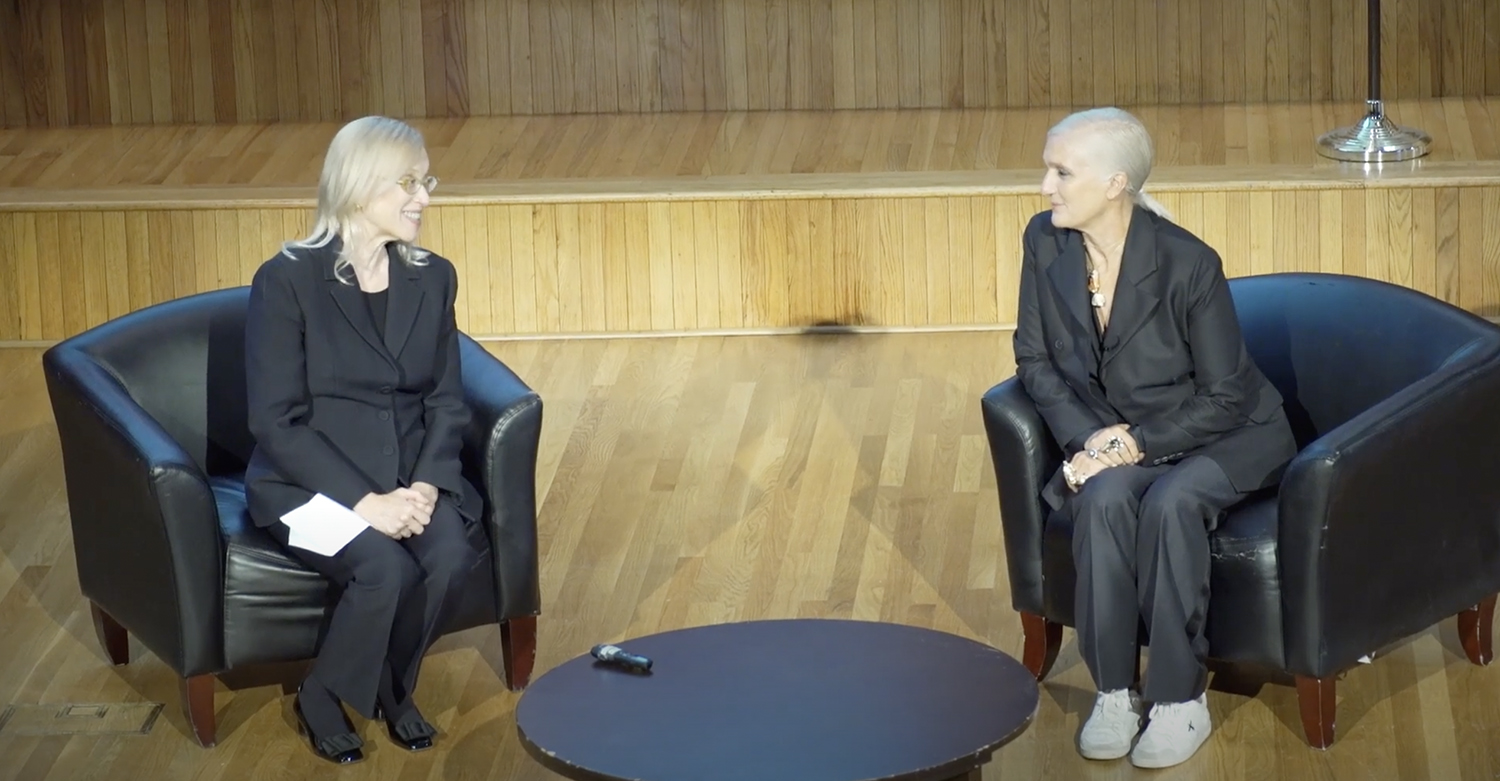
(1337, 345)
(183, 362)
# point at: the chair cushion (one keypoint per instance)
(1243, 582)
(275, 607)
(1245, 586)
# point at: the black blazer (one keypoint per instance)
(1172, 363)
(334, 408)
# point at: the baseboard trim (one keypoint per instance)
(811, 330)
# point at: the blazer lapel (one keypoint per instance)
(1134, 302)
(404, 303)
(1070, 279)
(350, 300)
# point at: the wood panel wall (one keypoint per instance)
(77, 62)
(562, 268)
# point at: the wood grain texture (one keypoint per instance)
(729, 221)
(682, 481)
(197, 61)
(679, 151)
(741, 264)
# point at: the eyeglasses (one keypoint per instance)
(411, 183)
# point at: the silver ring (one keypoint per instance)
(1093, 453)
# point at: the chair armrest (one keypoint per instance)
(500, 450)
(145, 526)
(1025, 457)
(1391, 522)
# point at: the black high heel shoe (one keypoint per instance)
(412, 735)
(341, 749)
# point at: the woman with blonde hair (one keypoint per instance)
(1128, 342)
(355, 395)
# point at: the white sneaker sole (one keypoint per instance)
(1104, 752)
(1168, 760)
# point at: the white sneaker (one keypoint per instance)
(1112, 726)
(1173, 733)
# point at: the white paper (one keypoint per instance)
(323, 526)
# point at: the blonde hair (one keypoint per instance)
(364, 157)
(1121, 144)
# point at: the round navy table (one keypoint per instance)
(800, 699)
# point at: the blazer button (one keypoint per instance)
(388, 450)
(384, 415)
(1057, 345)
(386, 389)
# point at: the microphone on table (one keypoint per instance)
(612, 654)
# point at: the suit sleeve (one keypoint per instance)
(1070, 420)
(446, 413)
(1221, 370)
(277, 397)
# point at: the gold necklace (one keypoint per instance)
(1096, 298)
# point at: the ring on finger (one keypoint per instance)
(1093, 453)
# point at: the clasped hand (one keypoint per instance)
(1107, 447)
(400, 513)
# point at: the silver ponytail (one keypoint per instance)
(1145, 201)
(1122, 145)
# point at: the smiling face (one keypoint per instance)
(392, 213)
(1077, 187)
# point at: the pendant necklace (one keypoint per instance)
(1096, 298)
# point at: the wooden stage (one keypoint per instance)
(723, 176)
(692, 480)
(734, 221)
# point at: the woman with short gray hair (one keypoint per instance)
(1128, 342)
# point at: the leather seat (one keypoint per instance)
(1386, 522)
(150, 411)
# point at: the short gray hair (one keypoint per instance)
(1123, 145)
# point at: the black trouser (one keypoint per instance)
(396, 595)
(1140, 545)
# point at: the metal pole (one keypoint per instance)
(1374, 50)
(1375, 139)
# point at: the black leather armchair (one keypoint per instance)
(1386, 522)
(150, 410)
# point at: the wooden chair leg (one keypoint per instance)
(112, 637)
(1043, 641)
(518, 647)
(1315, 696)
(1476, 632)
(198, 706)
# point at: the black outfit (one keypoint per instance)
(1173, 366)
(377, 304)
(351, 394)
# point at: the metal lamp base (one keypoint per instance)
(1374, 140)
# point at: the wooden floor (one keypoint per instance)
(686, 481)
(567, 155)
